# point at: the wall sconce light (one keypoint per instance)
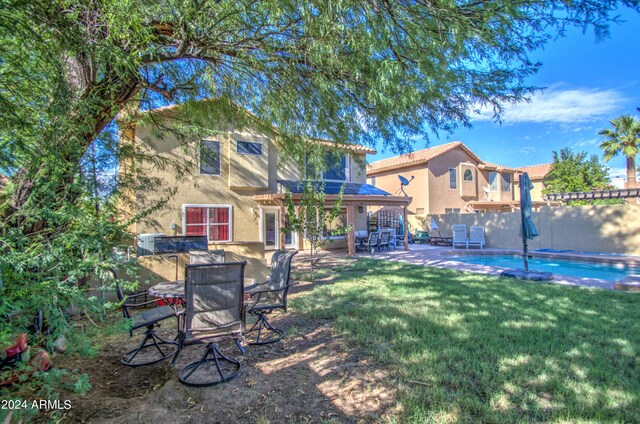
(360, 209)
(173, 226)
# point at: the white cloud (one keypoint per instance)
(585, 143)
(526, 150)
(559, 106)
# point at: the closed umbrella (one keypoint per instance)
(528, 230)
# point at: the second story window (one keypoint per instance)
(506, 182)
(249, 148)
(373, 181)
(335, 167)
(468, 175)
(493, 181)
(453, 178)
(210, 157)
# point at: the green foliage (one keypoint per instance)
(623, 139)
(309, 215)
(576, 172)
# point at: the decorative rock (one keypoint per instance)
(630, 284)
(60, 345)
(521, 274)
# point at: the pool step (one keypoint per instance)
(631, 284)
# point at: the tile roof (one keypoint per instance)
(493, 166)
(536, 171)
(423, 156)
(413, 158)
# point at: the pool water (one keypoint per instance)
(610, 272)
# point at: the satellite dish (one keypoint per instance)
(404, 182)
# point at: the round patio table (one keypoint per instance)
(175, 289)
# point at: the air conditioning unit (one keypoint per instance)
(146, 243)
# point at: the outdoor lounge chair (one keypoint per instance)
(206, 256)
(152, 348)
(476, 236)
(214, 310)
(270, 295)
(459, 235)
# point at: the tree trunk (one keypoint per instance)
(631, 177)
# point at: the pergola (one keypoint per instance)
(350, 202)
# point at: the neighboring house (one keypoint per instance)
(236, 194)
(537, 174)
(449, 178)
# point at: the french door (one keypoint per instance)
(271, 230)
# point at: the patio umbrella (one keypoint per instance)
(528, 230)
(434, 226)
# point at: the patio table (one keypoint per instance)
(173, 290)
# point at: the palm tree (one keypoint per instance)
(623, 138)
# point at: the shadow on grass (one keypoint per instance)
(473, 347)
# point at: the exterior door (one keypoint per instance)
(271, 230)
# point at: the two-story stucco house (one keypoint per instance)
(449, 178)
(235, 193)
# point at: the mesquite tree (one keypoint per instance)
(349, 71)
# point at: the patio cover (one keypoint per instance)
(354, 195)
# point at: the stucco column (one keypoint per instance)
(405, 223)
(351, 236)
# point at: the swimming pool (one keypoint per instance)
(609, 272)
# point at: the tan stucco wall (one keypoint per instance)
(536, 191)
(439, 192)
(606, 228)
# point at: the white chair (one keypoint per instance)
(459, 235)
(476, 236)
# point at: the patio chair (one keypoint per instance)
(476, 236)
(150, 319)
(459, 235)
(213, 311)
(372, 242)
(206, 256)
(269, 296)
(384, 240)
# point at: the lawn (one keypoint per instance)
(468, 347)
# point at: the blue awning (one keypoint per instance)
(333, 187)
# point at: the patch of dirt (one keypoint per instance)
(311, 375)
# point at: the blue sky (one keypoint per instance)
(587, 83)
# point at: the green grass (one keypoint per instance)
(467, 347)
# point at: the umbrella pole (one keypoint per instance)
(525, 254)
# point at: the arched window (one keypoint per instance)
(468, 175)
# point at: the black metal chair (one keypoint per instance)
(372, 242)
(213, 311)
(206, 256)
(385, 236)
(270, 295)
(150, 319)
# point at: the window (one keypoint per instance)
(493, 181)
(249, 148)
(453, 178)
(419, 211)
(335, 167)
(209, 157)
(336, 227)
(468, 175)
(451, 210)
(211, 221)
(506, 182)
(373, 181)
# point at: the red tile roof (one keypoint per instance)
(536, 172)
(425, 155)
(414, 158)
